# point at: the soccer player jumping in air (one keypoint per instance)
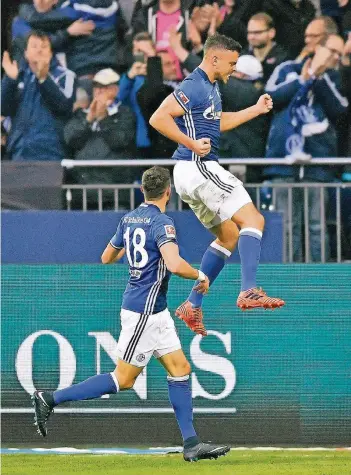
(192, 116)
(148, 238)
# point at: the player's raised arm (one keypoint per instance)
(179, 266)
(163, 121)
(230, 120)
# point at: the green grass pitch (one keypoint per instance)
(235, 463)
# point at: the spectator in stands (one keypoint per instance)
(157, 18)
(291, 18)
(241, 91)
(307, 102)
(159, 83)
(103, 132)
(38, 94)
(148, 82)
(61, 24)
(228, 20)
(130, 84)
(317, 33)
(91, 34)
(202, 18)
(260, 35)
(188, 60)
(169, 66)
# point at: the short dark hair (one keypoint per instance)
(261, 16)
(222, 42)
(37, 34)
(155, 182)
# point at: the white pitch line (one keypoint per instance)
(163, 450)
(123, 410)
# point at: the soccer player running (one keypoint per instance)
(148, 238)
(192, 116)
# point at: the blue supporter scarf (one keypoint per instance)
(103, 13)
(302, 122)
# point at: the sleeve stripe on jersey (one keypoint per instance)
(180, 102)
(115, 246)
(165, 242)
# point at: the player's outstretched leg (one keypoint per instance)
(212, 264)
(108, 383)
(92, 388)
(250, 237)
(180, 397)
(43, 406)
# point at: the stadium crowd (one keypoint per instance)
(83, 77)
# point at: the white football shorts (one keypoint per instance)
(213, 193)
(143, 336)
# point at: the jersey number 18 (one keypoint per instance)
(138, 243)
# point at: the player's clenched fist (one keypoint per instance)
(264, 104)
(201, 146)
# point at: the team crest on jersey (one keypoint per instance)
(170, 231)
(135, 273)
(211, 113)
(183, 97)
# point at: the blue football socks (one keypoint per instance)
(250, 251)
(180, 397)
(91, 388)
(212, 263)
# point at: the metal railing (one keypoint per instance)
(67, 163)
(265, 200)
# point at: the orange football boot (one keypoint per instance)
(257, 298)
(192, 317)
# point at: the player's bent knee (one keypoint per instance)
(125, 383)
(183, 369)
(229, 243)
(253, 220)
(227, 235)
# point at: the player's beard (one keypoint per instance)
(225, 78)
(221, 77)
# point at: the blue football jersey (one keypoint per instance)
(141, 233)
(201, 101)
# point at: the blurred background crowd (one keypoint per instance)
(81, 79)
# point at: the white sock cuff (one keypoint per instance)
(178, 378)
(115, 380)
(220, 248)
(251, 231)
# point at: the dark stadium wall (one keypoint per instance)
(60, 237)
